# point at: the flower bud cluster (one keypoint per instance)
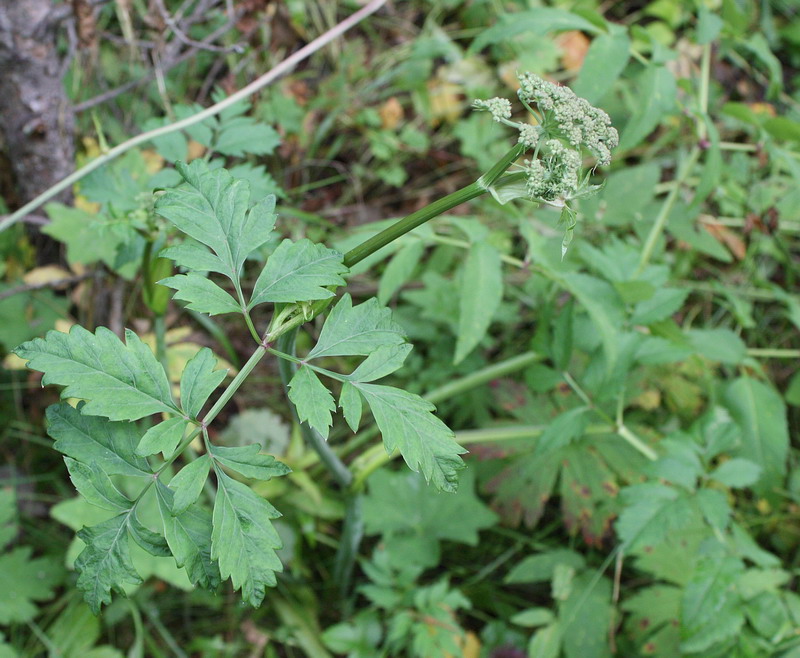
(499, 108)
(574, 118)
(554, 176)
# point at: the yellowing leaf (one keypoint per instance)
(574, 45)
(46, 274)
(391, 113)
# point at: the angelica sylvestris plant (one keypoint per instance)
(118, 382)
(565, 126)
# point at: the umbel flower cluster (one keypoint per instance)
(565, 125)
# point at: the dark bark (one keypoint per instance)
(36, 119)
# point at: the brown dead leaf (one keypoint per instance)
(391, 113)
(196, 150)
(574, 46)
(445, 101)
(726, 236)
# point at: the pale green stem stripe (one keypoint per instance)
(284, 67)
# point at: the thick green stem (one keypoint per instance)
(227, 394)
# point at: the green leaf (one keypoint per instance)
(711, 610)
(188, 534)
(737, 473)
(314, 402)
(357, 330)
(399, 270)
(150, 541)
(546, 642)
(350, 404)
(94, 440)
(88, 237)
(604, 63)
(194, 257)
(533, 617)
(249, 461)
(383, 361)
(761, 414)
(656, 89)
(405, 420)
(188, 483)
(163, 437)
(539, 568)
(585, 617)
(651, 512)
(563, 430)
(709, 25)
(298, 272)
(537, 21)
(212, 208)
(105, 563)
(413, 521)
(202, 294)
(244, 135)
(481, 292)
(199, 380)
(650, 610)
(718, 345)
(120, 381)
(95, 486)
(243, 540)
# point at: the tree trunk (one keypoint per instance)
(36, 119)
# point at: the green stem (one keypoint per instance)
(773, 353)
(227, 394)
(415, 219)
(160, 331)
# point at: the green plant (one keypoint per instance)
(119, 382)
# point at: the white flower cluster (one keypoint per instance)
(499, 108)
(578, 121)
(529, 135)
(554, 176)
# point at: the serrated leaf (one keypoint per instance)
(652, 511)
(243, 135)
(202, 294)
(212, 208)
(163, 437)
(95, 485)
(96, 440)
(150, 541)
(481, 292)
(298, 272)
(243, 540)
(194, 257)
(105, 563)
(188, 483)
(120, 381)
(737, 473)
(350, 404)
(199, 380)
(314, 402)
(249, 461)
(189, 537)
(383, 361)
(357, 330)
(406, 423)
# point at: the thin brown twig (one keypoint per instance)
(56, 283)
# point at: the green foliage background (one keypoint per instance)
(631, 486)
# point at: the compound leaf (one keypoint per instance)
(243, 540)
(163, 437)
(188, 483)
(298, 272)
(95, 485)
(105, 563)
(189, 537)
(199, 380)
(194, 257)
(243, 135)
(121, 381)
(249, 461)
(212, 208)
(202, 294)
(94, 440)
(152, 542)
(314, 402)
(406, 423)
(357, 330)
